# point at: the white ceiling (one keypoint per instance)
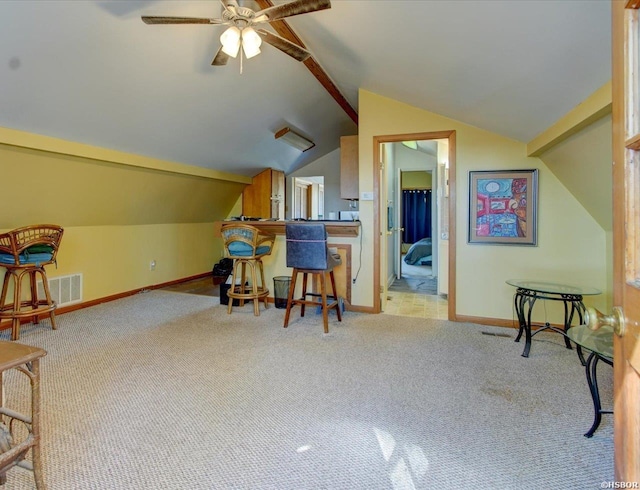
(93, 72)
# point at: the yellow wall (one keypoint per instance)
(583, 163)
(572, 246)
(416, 180)
(117, 217)
(115, 259)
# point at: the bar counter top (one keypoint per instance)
(334, 228)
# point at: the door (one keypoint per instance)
(301, 205)
(387, 240)
(626, 238)
(397, 230)
(277, 194)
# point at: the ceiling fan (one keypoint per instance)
(241, 33)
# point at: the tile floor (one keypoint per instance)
(416, 305)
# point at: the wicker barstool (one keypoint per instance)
(20, 430)
(24, 252)
(246, 246)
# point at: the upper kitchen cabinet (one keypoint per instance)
(264, 197)
(349, 167)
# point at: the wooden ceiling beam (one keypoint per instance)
(284, 29)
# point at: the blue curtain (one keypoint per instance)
(416, 215)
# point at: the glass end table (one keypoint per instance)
(529, 291)
(600, 343)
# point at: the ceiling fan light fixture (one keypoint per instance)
(230, 40)
(240, 20)
(251, 42)
(294, 139)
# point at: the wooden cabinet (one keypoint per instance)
(264, 197)
(341, 273)
(349, 167)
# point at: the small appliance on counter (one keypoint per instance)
(244, 218)
(349, 215)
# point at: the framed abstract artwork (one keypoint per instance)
(503, 207)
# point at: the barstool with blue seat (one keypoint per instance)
(308, 253)
(246, 246)
(25, 251)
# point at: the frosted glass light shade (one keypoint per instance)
(251, 42)
(230, 40)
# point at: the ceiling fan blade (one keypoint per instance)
(220, 59)
(296, 7)
(231, 5)
(179, 20)
(284, 45)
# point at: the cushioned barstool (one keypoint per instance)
(246, 246)
(308, 253)
(24, 252)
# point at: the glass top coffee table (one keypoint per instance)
(529, 291)
(600, 343)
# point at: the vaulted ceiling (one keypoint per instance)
(92, 72)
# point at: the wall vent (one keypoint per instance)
(65, 290)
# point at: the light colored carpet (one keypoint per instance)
(165, 390)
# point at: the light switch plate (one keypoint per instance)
(366, 196)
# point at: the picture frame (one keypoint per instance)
(503, 207)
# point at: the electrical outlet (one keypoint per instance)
(152, 265)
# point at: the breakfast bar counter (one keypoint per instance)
(342, 237)
(334, 228)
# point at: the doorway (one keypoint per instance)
(415, 199)
(388, 244)
(308, 197)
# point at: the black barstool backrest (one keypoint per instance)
(307, 246)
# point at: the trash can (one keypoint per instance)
(281, 290)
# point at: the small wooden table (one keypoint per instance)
(26, 360)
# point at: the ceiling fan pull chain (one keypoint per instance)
(241, 58)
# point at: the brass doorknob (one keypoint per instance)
(595, 319)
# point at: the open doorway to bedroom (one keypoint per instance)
(413, 288)
(413, 185)
(415, 268)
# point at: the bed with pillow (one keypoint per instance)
(419, 253)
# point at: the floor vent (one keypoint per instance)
(493, 334)
(65, 290)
